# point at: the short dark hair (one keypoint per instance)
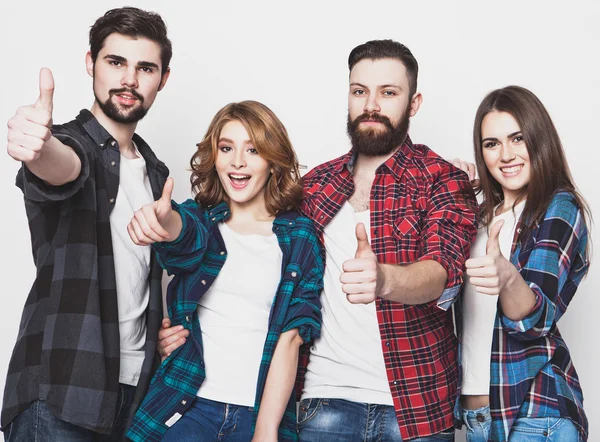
(131, 22)
(379, 49)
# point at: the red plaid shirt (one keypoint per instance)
(422, 208)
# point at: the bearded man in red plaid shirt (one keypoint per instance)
(397, 222)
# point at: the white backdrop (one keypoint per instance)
(292, 57)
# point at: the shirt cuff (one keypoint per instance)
(37, 190)
(529, 321)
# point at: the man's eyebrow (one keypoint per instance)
(115, 58)
(383, 86)
(147, 64)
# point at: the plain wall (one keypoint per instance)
(292, 57)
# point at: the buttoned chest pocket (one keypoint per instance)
(407, 232)
(407, 226)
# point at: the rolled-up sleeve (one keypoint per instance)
(184, 254)
(449, 229)
(304, 311)
(555, 266)
(37, 190)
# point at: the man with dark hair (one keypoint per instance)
(397, 222)
(86, 347)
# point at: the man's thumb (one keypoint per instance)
(363, 247)
(45, 101)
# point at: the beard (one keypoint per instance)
(118, 113)
(375, 142)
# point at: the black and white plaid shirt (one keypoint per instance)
(67, 350)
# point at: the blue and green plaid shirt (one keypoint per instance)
(196, 258)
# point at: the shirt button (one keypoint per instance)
(187, 318)
(387, 343)
(221, 252)
(480, 417)
(294, 274)
(113, 163)
(322, 216)
(112, 200)
(214, 219)
(183, 402)
(395, 382)
(375, 231)
(203, 282)
(291, 223)
(113, 142)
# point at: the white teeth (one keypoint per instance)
(239, 177)
(511, 169)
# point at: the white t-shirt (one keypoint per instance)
(234, 316)
(479, 311)
(132, 266)
(346, 362)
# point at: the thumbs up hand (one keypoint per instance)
(29, 129)
(157, 221)
(361, 276)
(491, 273)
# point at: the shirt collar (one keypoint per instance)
(221, 213)
(396, 164)
(103, 139)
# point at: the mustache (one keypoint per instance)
(373, 117)
(133, 92)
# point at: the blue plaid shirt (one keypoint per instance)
(531, 373)
(195, 258)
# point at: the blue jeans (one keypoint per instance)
(525, 429)
(477, 423)
(344, 421)
(211, 421)
(38, 424)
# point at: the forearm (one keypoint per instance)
(416, 283)
(278, 387)
(516, 298)
(57, 163)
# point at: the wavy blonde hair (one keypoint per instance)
(269, 137)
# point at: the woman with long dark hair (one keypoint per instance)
(530, 254)
(248, 276)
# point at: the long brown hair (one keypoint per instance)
(269, 137)
(549, 171)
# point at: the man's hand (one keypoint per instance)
(469, 168)
(361, 276)
(491, 273)
(29, 129)
(149, 224)
(170, 338)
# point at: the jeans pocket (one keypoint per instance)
(308, 409)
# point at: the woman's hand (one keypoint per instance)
(491, 273)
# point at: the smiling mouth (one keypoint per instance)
(511, 170)
(238, 180)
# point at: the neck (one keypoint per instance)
(122, 132)
(510, 200)
(366, 165)
(252, 211)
